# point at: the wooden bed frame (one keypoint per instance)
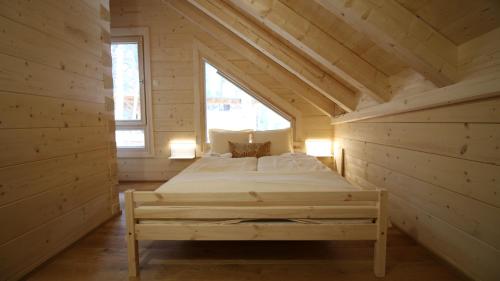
(215, 216)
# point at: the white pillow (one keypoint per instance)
(217, 155)
(295, 154)
(219, 139)
(281, 140)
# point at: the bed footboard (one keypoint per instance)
(339, 215)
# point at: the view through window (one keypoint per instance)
(229, 107)
(128, 92)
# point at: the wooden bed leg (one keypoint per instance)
(132, 245)
(381, 242)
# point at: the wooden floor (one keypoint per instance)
(102, 255)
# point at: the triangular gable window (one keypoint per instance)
(230, 107)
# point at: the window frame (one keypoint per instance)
(237, 83)
(141, 36)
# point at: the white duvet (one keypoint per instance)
(221, 164)
(290, 163)
(256, 182)
(273, 173)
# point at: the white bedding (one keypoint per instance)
(290, 163)
(275, 173)
(221, 164)
(256, 181)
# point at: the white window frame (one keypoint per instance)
(141, 36)
(240, 85)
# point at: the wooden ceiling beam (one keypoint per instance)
(486, 86)
(280, 53)
(398, 31)
(253, 55)
(319, 46)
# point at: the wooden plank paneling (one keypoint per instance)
(481, 55)
(459, 21)
(175, 117)
(22, 181)
(441, 168)
(343, 32)
(57, 152)
(320, 46)
(173, 97)
(38, 210)
(56, 23)
(404, 34)
(470, 255)
(27, 111)
(23, 254)
(172, 83)
(19, 41)
(478, 111)
(23, 76)
(25, 145)
(470, 178)
(474, 141)
(485, 86)
(458, 210)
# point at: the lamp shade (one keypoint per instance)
(182, 149)
(319, 147)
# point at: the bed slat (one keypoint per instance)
(256, 231)
(284, 212)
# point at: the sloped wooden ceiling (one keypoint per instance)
(458, 20)
(271, 46)
(299, 88)
(359, 53)
(317, 44)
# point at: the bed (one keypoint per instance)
(286, 197)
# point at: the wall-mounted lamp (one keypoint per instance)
(319, 147)
(182, 149)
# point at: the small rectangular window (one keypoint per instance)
(129, 92)
(130, 138)
(127, 81)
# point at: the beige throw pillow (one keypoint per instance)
(239, 150)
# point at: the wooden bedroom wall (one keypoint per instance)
(442, 169)
(172, 38)
(57, 155)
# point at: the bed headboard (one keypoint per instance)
(340, 161)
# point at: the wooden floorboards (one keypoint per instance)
(102, 255)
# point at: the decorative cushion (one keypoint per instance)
(281, 140)
(219, 138)
(239, 150)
